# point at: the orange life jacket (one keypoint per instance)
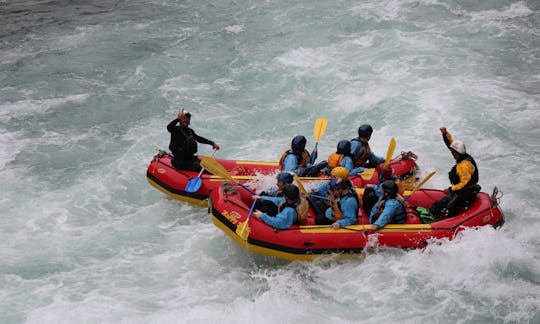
(334, 160)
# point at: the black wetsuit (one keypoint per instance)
(183, 146)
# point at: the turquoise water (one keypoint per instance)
(87, 88)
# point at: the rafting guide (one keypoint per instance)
(183, 144)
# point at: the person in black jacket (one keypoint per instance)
(463, 177)
(183, 144)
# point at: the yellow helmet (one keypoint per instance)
(340, 172)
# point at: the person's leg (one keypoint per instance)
(191, 165)
(437, 208)
(267, 207)
(369, 199)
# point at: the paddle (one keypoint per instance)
(243, 229)
(318, 131)
(300, 186)
(195, 183)
(215, 168)
(389, 152)
(418, 186)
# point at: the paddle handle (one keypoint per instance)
(251, 209)
(247, 188)
(314, 154)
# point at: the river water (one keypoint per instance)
(87, 88)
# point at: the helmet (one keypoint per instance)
(285, 177)
(390, 187)
(365, 130)
(458, 146)
(298, 143)
(343, 147)
(291, 191)
(340, 172)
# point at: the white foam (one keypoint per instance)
(235, 29)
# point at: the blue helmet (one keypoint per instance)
(365, 130)
(338, 183)
(298, 143)
(285, 177)
(343, 147)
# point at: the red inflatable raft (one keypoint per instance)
(306, 242)
(163, 176)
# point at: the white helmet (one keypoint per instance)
(458, 146)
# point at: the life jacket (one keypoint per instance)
(362, 159)
(334, 160)
(301, 159)
(454, 177)
(351, 192)
(396, 219)
(301, 207)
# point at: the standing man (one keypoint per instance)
(463, 177)
(183, 144)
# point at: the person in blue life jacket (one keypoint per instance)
(372, 193)
(343, 205)
(463, 177)
(183, 143)
(267, 206)
(316, 199)
(292, 208)
(388, 210)
(297, 159)
(343, 158)
(361, 151)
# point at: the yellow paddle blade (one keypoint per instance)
(390, 152)
(418, 186)
(215, 168)
(320, 128)
(300, 185)
(243, 230)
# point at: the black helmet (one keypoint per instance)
(291, 192)
(365, 130)
(343, 147)
(390, 187)
(285, 177)
(298, 143)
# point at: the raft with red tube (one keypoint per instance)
(229, 208)
(171, 181)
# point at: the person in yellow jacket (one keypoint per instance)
(463, 177)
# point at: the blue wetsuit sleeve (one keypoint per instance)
(375, 158)
(323, 189)
(290, 164)
(283, 220)
(348, 163)
(391, 208)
